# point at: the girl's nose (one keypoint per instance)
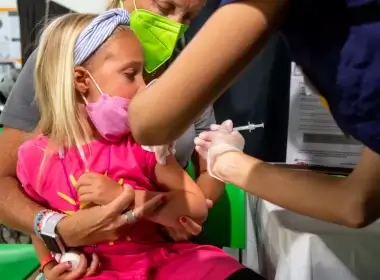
(178, 17)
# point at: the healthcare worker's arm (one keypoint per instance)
(206, 67)
(353, 201)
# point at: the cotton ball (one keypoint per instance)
(72, 258)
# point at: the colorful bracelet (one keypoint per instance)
(45, 261)
(40, 218)
(40, 276)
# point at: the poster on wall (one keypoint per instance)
(313, 136)
(10, 51)
(10, 46)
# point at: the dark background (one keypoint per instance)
(261, 95)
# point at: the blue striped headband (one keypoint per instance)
(97, 32)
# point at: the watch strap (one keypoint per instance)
(49, 224)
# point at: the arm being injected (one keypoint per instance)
(185, 198)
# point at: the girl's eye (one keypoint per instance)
(130, 74)
(166, 9)
(188, 18)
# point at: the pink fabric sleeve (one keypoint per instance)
(144, 156)
(26, 166)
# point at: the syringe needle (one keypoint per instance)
(249, 127)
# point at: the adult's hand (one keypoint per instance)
(105, 222)
(219, 140)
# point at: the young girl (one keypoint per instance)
(88, 68)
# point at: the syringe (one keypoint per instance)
(249, 127)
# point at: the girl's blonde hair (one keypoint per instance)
(115, 4)
(54, 81)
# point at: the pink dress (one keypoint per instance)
(49, 178)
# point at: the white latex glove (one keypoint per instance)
(219, 140)
(161, 152)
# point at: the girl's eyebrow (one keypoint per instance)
(132, 63)
(168, 2)
(113, 59)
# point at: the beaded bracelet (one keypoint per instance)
(40, 218)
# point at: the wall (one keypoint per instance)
(8, 4)
(82, 6)
(10, 52)
(260, 95)
(75, 5)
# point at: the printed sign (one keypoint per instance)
(313, 136)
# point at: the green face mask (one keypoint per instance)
(158, 36)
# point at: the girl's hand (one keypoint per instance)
(61, 271)
(189, 227)
(97, 188)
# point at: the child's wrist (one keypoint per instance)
(116, 192)
(196, 192)
(49, 267)
(143, 196)
(120, 190)
(140, 197)
(47, 264)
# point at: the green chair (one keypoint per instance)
(226, 223)
(17, 261)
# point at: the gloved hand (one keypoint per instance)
(219, 140)
(161, 152)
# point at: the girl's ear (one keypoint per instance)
(81, 80)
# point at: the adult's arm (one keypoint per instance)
(206, 67)
(16, 209)
(353, 201)
(19, 117)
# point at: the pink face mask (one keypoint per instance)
(109, 115)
